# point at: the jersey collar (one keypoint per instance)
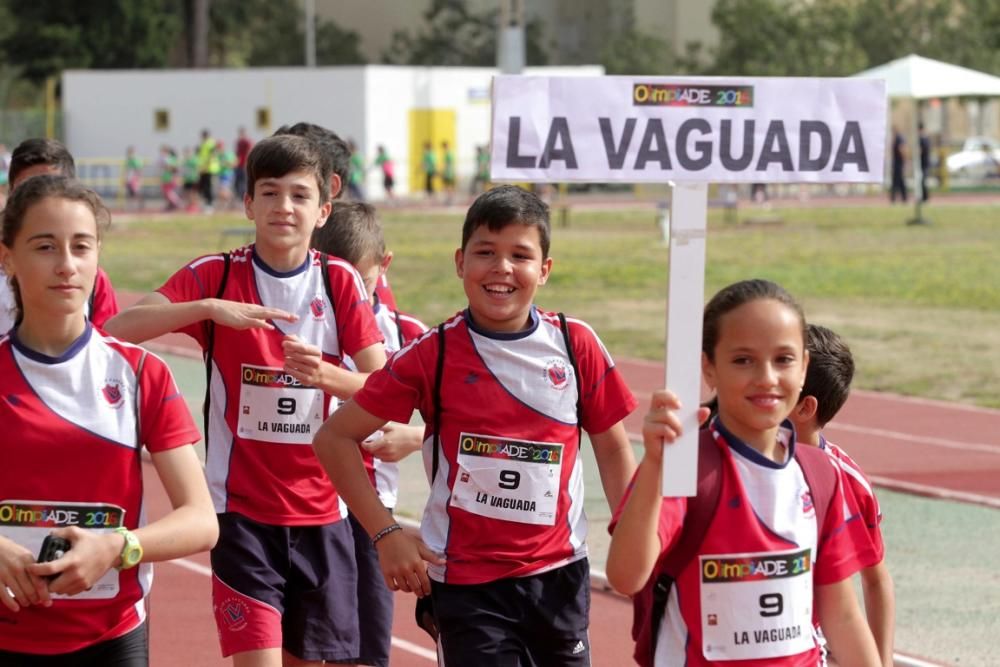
(497, 335)
(786, 434)
(259, 263)
(71, 351)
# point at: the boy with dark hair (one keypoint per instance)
(505, 390)
(827, 386)
(275, 320)
(353, 233)
(34, 157)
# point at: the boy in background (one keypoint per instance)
(827, 385)
(275, 319)
(353, 233)
(33, 157)
(506, 390)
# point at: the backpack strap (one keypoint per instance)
(650, 603)
(324, 262)
(576, 370)
(438, 374)
(821, 477)
(210, 345)
(399, 329)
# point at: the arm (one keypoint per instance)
(615, 462)
(880, 608)
(155, 315)
(401, 557)
(190, 527)
(844, 625)
(305, 363)
(635, 544)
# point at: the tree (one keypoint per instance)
(51, 36)
(455, 36)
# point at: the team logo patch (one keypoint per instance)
(807, 503)
(233, 613)
(557, 374)
(112, 392)
(318, 308)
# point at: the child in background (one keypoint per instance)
(169, 169)
(428, 165)
(78, 408)
(189, 177)
(828, 383)
(34, 157)
(716, 613)
(505, 390)
(353, 233)
(133, 176)
(448, 172)
(227, 173)
(385, 163)
(275, 319)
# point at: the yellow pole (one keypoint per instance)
(50, 107)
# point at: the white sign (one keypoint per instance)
(707, 129)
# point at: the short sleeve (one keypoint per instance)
(164, 418)
(198, 280)
(105, 301)
(395, 391)
(844, 546)
(356, 325)
(606, 398)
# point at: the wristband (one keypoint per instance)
(391, 528)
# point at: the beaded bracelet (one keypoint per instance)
(392, 528)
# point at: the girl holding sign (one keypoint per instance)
(77, 406)
(773, 552)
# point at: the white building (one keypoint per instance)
(399, 107)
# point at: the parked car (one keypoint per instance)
(979, 158)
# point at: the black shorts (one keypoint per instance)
(375, 601)
(129, 650)
(293, 587)
(535, 621)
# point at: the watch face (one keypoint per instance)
(132, 555)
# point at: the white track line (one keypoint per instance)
(982, 447)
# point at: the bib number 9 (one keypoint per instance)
(509, 479)
(286, 406)
(771, 604)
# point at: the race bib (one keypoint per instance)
(275, 407)
(513, 480)
(28, 522)
(756, 606)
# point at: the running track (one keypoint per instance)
(920, 446)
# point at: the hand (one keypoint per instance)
(661, 425)
(26, 587)
(302, 360)
(236, 315)
(403, 560)
(397, 441)
(91, 556)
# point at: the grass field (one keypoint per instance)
(920, 305)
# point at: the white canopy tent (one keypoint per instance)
(918, 78)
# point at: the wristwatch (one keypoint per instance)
(132, 551)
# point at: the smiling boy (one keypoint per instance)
(505, 389)
(274, 319)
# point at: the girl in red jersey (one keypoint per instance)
(77, 406)
(768, 562)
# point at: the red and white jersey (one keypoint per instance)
(71, 457)
(747, 599)
(398, 329)
(507, 500)
(861, 498)
(105, 304)
(384, 293)
(260, 461)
